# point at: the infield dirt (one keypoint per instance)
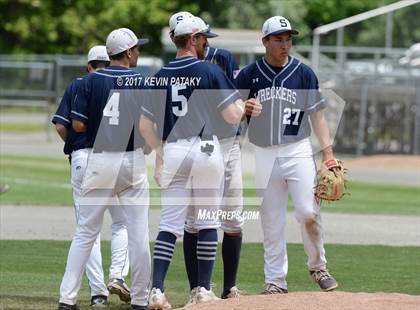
(316, 300)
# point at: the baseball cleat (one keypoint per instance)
(118, 287)
(192, 300)
(234, 292)
(137, 307)
(270, 288)
(99, 301)
(204, 295)
(158, 301)
(325, 281)
(63, 306)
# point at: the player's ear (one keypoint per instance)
(193, 40)
(265, 40)
(89, 68)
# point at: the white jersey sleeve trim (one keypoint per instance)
(147, 111)
(79, 114)
(315, 105)
(227, 98)
(63, 118)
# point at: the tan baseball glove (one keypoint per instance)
(331, 180)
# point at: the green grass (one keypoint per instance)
(23, 109)
(46, 181)
(22, 127)
(31, 272)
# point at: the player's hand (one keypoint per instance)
(253, 107)
(158, 170)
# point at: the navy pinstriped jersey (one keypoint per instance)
(288, 96)
(108, 102)
(195, 92)
(75, 141)
(224, 59)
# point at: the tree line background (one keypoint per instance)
(73, 26)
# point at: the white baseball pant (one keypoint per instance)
(120, 180)
(280, 170)
(190, 178)
(119, 247)
(232, 188)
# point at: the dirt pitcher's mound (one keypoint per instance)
(316, 300)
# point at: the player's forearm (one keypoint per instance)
(62, 131)
(320, 127)
(148, 131)
(233, 113)
(79, 126)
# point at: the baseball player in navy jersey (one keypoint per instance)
(107, 109)
(189, 162)
(229, 143)
(288, 92)
(75, 148)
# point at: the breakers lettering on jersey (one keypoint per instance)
(288, 96)
(276, 92)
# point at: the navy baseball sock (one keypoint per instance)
(190, 258)
(206, 255)
(162, 256)
(231, 251)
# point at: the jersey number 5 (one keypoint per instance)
(111, 109)
(179, 102)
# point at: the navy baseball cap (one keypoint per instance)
(276, 25)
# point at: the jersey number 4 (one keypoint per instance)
(111, 109)
(179, 102)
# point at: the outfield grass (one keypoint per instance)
(22, 127)
(31, 272)
(45, 181)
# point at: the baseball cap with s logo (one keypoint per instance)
(176, 18)
(276, 25)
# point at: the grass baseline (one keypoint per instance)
(31, 272)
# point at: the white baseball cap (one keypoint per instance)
(122, 39)
(98, 52)
(276, 25)
(193, 25)
(176, 18)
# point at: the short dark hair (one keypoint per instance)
(118, 56)
(181, 41)
(99, 63)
